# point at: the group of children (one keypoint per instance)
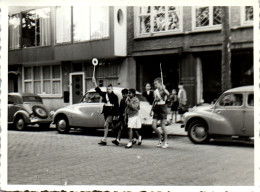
(128, 112)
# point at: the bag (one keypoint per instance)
(182, 109)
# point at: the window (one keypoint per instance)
(250, 100)
(247, 15)
(158, 19)
(81, 27)
(14, 31)
(206, 17)
(44, 80)
(36, 27)
(63, 24)
(232, 100)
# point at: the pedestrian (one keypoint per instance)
(159, 111)
(148, 93)
(173, 103)
(134, 121)
(122, 119)
(110, 107)
(182, 98)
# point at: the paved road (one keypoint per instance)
(49, 158)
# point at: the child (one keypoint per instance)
(174, 104)
(159, 110)
(122, 123)
(134, 121)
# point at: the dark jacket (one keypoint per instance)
(122, 108)
(149, 97)
(113, 100)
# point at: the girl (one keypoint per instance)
(173, 100)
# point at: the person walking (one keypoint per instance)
(159, 111)
(110, 107)
(173, 103)
(134, 121)
(182, 98)
(122, 119)
(148, 93)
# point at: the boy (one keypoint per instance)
(109, 109)
(159, 110)
(122, 123)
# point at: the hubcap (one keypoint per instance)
(199, 132)
(20, 124)
(62, 124)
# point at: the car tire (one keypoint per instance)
(62, 125)
(40, 112)
(19, 123)
(198, 132)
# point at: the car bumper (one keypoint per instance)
(36, 120)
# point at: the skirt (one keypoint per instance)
(134, 122)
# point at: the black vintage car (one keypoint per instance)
(27, 109)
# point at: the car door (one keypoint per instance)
(228, 115)
(249, 115)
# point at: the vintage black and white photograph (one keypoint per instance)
(131, 95)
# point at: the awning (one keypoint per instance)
(14, 72)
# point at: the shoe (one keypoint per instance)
(165, 145)
(139, 140)
(115, 142)
(129, 145)
(159, 143)
(134, 142)
(102, 142)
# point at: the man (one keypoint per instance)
(110, 107)
(159, 110)
(182, 98)
(122, 119)
(148, 93)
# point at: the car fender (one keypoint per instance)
(197, 115)
(62, 111)
(24, 114)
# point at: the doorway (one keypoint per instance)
(77, 86)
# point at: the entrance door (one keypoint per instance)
(12, 82)
(77, 87)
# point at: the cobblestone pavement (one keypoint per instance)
(49, 158)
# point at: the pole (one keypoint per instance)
(161, 73)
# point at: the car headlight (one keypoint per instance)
(52, 113)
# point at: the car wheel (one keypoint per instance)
(198, 132)
(62, 125)
(19, 123)
(40, 112)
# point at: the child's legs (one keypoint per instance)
(154, 126)
(164, 129)
(107, 122)
(130, 134)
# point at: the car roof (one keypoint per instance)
(23, 94)
(115, 89)
(249, 88)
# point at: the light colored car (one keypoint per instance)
(87, 113)
(27, 109)
(232, 115)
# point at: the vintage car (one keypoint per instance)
(27, 109)
(232, 116)
(87, 113)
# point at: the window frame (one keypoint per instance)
(20, 32)
(210, 26)
(231, 106)
(243, 22)
(152, 13)
(41, 80)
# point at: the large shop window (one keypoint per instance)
(43, 80)
(88, 23)
(36, 27)
(14, 31)
(207, 17)
(159, 19)
(247, 15)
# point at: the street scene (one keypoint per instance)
(117, 95)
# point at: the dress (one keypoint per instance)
(148, 96)
(174, 102)
(133, 106)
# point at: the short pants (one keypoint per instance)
(160, 112)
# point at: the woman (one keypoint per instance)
(134, 121)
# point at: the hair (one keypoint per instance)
(110, 85)
(124, 91)
(132, 91)
(148, 84)
(158, 79)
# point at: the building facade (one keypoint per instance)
(51, 49)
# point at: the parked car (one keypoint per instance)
(231, 115)
(87, 113)
(27, 109)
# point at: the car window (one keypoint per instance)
(250, 100)
(92, 97)
(232, 100)
(32, 99)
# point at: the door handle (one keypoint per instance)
(218, 112)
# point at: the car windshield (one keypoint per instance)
(32, 99)
(91, 97)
